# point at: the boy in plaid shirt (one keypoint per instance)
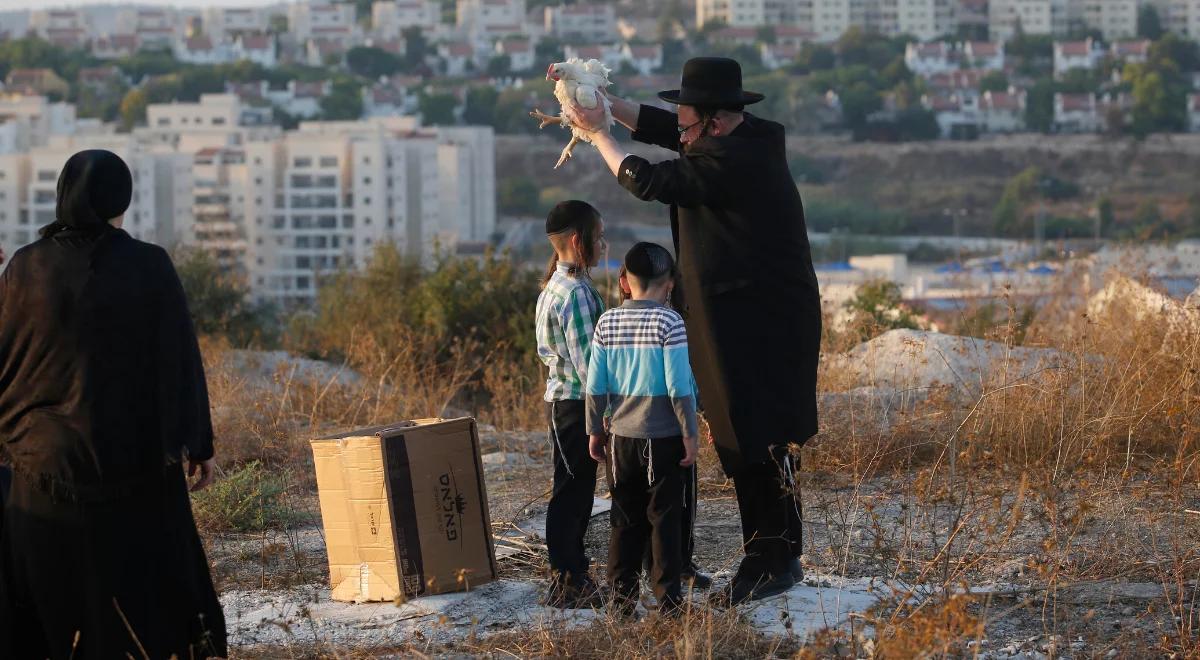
(640, 373)
(567, 310)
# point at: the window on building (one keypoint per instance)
(302, 161)
(303, 262)
(329, 161)
(348, 222)
(163, 121)
(302, 282)
(218, 121)
(47, 175)
(366, 180)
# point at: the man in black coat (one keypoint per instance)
(749, 292)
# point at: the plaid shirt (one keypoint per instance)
(567, 311)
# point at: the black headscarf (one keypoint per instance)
(94, 187)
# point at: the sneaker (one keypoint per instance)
(691, 576)
(742, 590)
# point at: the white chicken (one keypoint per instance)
(578, 82)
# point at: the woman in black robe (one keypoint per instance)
(102, 397)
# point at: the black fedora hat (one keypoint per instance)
(711, 81)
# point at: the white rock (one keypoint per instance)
(915, 361)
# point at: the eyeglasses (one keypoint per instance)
(685, 129)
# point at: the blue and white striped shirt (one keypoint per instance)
(639, 371)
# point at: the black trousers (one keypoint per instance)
(687, 522)
(770, 509)
(5, 480)
(648, 503)
(574, 490)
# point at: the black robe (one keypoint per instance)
(102, 392)
(749, 294)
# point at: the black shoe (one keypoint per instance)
(796, 570)
(575, 593)
(742, 590)
(691, 576)
(622, 605)
(556, 593)
(586, 594)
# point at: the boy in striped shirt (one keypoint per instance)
(639, 373)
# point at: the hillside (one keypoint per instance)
(918, 180)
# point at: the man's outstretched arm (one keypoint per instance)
(594, 123)
(624, 111)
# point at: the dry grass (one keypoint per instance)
(1078, 477)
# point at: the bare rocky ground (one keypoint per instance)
(1050, 577)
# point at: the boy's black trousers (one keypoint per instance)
(574, 490)
(648, 502)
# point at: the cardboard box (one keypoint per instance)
(405, 510)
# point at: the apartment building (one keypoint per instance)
(467, 177)
(485, 20)
(1115, 19)
(317, 20)
(924, 19)
(756, 13)
(282, 209)
(28, 182)
(389, 19)
(30, 121)
(65, 28)
(225, 24)
(217, 179)
(217, 120)
(581, 23)
(1044, 17)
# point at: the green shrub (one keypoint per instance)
(249, 499)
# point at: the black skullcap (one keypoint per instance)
(648, 261)
(94, 187)
(571, 214)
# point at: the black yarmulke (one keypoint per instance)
(649, 261)
(571, 214)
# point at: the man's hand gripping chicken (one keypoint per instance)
(579, 83)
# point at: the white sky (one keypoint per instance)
(9, 5)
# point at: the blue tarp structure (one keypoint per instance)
(1043, 270)
(839, 266)
(952, 267)
(996, 266)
